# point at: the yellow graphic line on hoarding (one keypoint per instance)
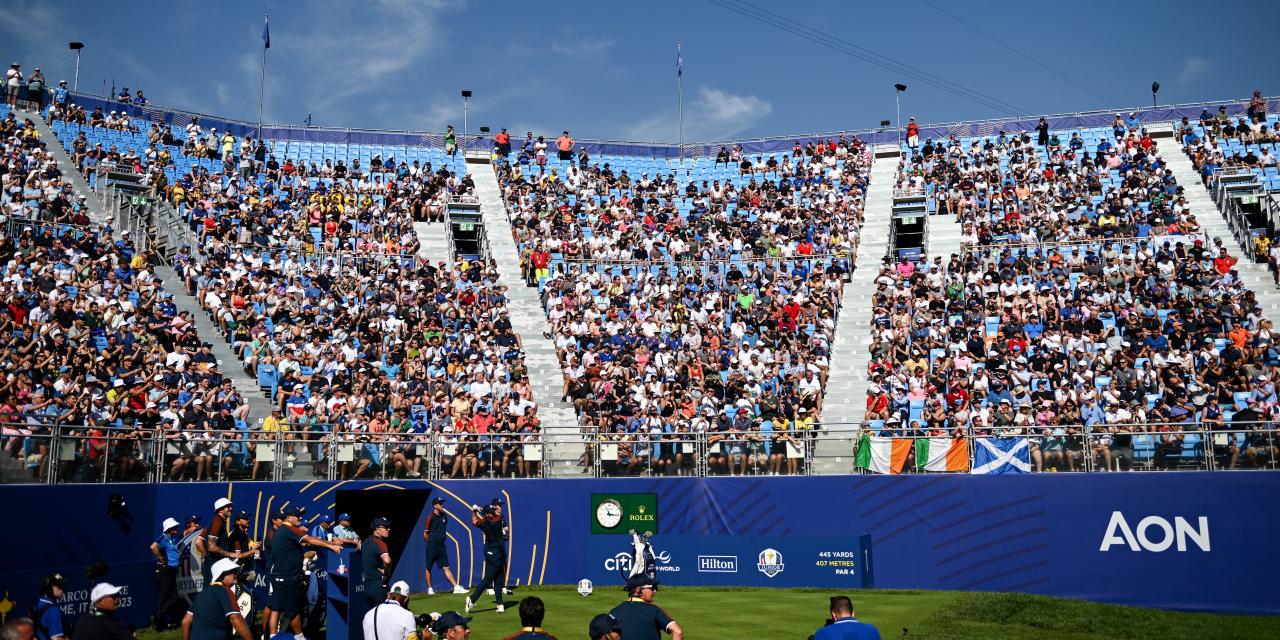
(267, 524)
(546, 544)
(457, 553)
(511, 535)
(257, 511)
(307, 486)
(322, 493)
(471, 545)
(382, 485)
(533, 556)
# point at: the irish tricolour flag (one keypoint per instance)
(889, 455)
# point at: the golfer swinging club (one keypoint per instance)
(643, 561)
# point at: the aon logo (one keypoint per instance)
(1154, 533)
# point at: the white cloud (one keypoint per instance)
(713, 114)
(568, 45)
(1193, 69)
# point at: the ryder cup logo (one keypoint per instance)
(770, 562)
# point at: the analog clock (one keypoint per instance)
(609, 514)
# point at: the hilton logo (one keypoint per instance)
(642, 516)
(717, 564)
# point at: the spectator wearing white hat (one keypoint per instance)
(391, 619)
(167, 554)
(101, 622)
(215, 615)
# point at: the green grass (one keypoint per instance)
(796, 613)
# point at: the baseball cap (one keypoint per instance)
(221, 503)
(104, 589)
(400, 588)
(193, 518)
(169, 523)
(293, 510)
(381, 521)
(636, 582)
(223, 566)
(602, 624)
(496, 502)
(449, 620)
(326, 518)
(343, 517)
(242, 515)
(436, 501)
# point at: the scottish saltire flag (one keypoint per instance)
(1001, 455)
(266, 34)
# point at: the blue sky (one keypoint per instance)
(607, 70)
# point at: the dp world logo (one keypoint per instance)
(770, 562)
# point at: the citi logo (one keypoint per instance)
(717, 564)
(1154, 533)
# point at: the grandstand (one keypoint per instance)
(761, 307)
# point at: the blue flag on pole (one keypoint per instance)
(679, 64)
(1001, 455)
(266, 34)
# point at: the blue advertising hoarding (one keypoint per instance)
(1187, 540)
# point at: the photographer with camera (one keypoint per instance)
(843, 626)
(391, 619)
(214, 614)
(49, 621)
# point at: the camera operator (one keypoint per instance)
(391, 620)
(843, 625)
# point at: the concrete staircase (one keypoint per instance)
(229, 363)
(1256, 276)
(942, 236)
(433, 241)
(846, 390)
(559, 419)
(97, 211)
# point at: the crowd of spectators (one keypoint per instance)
(1013, 188)
(1080, 348)
(1219, 141)
(92, 340)
(698, 309)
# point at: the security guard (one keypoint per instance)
(532, 611)
(287, 584)
(489, 521)
(215, 537)
(639, 617)
(437, 553)
(377, 561)
(214, 615)
(47, 615)
(391, 620)
(168, 557)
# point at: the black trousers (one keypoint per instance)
(169, 605)
(495, 573)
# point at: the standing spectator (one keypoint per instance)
(451, 625)
(437, 553)
(605, 627)
(49, 620)
(215, 537)
(450, 141)
(101, 623)
(565, 145)
(639, 617)
(167, 554)
(913, 133)
(490, 523)
(12, 84)
(61, 96)
(343, 533)
(532, 612)
(844, 626)
(35, 89)
(377, 561)
(390, 619)
(1257, 108)
(503, 142)
(1042, 132)
(214, 614)
(288, 584)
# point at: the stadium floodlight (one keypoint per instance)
(897, 102)
(466, 95)
(76, 47)
(1155, 88)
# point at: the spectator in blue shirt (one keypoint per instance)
(844, 626)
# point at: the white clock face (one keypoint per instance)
(609, 514)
